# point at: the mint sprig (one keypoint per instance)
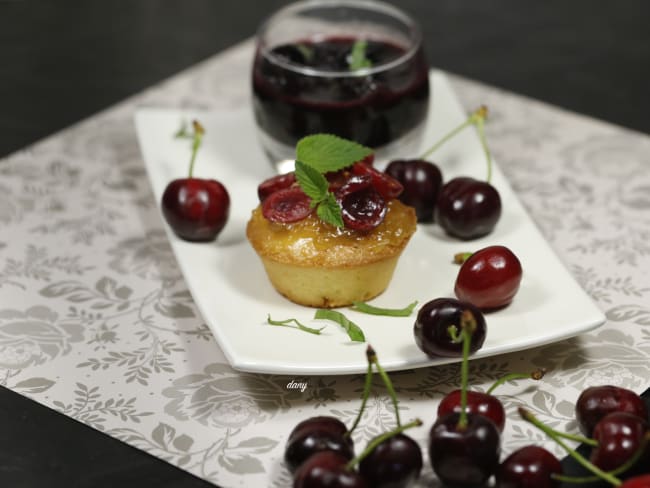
(327, 152)
(298, 325)
(329, 211)
(316, 187)
(312, 182)
(358, 59)
(354, 331)
(322, 153)
(390, 312)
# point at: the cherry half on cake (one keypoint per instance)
(196, 209)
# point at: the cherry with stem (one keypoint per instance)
(461, 438)
(468, 208)
(485, 403)
(393, 461)
(319, 434)
(196, 209)
(642, 481)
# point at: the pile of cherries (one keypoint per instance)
(360, 190)
(464, 443)
(466, 208)
(614, 421)
(320, 450)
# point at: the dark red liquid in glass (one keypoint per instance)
(372, 109)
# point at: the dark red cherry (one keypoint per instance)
(196, 209)
(395, 463)
(619, 436)
(468, 208)
(464, 457)
(275, 183)
(489, 278)
(597, 401)
(421, 180)
(387, 186)
(529, 467)
(337, 179)
(431, 328)
(286, 206)
(316, 434)
(642, 481)
(327, 469)
(369, 159)
(478, 403)
(362, 207)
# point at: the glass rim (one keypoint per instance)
(374, 5)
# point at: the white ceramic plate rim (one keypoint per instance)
(231, 290)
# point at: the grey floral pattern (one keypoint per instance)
(97, 323)
(34, 336)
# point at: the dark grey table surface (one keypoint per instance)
(61, 61)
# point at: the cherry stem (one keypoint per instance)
(197, 137)
(577, 438)
(628, 464)
(529, 417)
(467, 328)
(388, 384)
(461, 257)
(480, 125)
(372, 445)
(477, 118)
(370, 352)
(536, 375)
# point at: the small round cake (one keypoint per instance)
(315, 264)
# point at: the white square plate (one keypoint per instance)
(231, 289)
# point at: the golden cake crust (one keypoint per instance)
(310, 242)
(314, 264)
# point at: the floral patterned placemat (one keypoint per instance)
(97, 323)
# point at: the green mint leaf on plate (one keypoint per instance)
(358, 59)
(329, 211)
(390, 312)
(312, 182)
(327, 152)
(298, 325)
(354, 331)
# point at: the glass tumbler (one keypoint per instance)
(353, 68)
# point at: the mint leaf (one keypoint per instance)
(311, 182)
(391, 312)
(358, 58)
(287, 323)
(306, 51)
(354, 331)
(329, 211)
(327, 152)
